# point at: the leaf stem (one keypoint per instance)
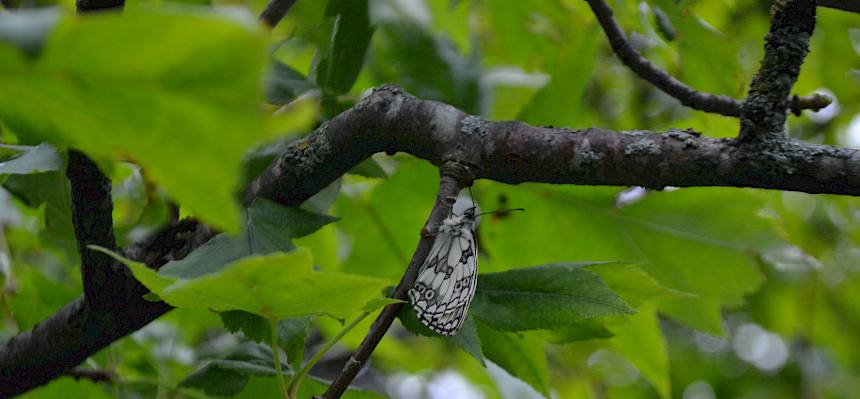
(279, 373)
(297, 379)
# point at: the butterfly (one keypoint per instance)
(446, 281)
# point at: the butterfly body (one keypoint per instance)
(446, 281)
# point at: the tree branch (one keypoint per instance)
(391, 120)
(275, 10)
(765, 109)
(844, 5)
(78, 331)
(688, 96)
(94, 375)
(92, 217)
(453, 178)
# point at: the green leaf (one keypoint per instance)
(632, 284)
(275, 286)
(641, 342)
(377, 303)
(435, 68)
(384, 221)
(544, 297)
(339, 66)
(579, 331)
(369, 168)
(466, 339)
(560, 102)
(181, 100)
(291, 332)
(521, 355)
(283, 83)
(700, 47)
(269, 229)
(683, 247)
(28, 160)
(229, 376)
(50, 190)
(218, 378)
(311, 387)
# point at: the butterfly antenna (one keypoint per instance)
(502, 211)
(472, 197)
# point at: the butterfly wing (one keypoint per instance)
(446, 281)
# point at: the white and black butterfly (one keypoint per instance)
(447, 279)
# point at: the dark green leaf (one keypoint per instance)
(466, 339)
(544, 297)
(339, 67)
(215, 380)
(369, 168)
(51, 189)
(229, 376)
(254, 327)
(292, 333)
(283, 84)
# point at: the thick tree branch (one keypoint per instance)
(511, 152)
(78, 331)
(92, 217)
(765, 109)
(453, 178)
(688, 96)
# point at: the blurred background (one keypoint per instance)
(762, 291)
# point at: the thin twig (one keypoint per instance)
(688, 96)
(844, 5)
(94, 375)
(454, 177)
(275, 10)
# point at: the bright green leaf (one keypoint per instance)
(377, 303)
(275, 286)
(521, 355)
(269, 228)
(632, 284)
(559, 103)
(186, 112)
(641, 342)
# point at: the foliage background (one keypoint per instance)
(738, 292)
